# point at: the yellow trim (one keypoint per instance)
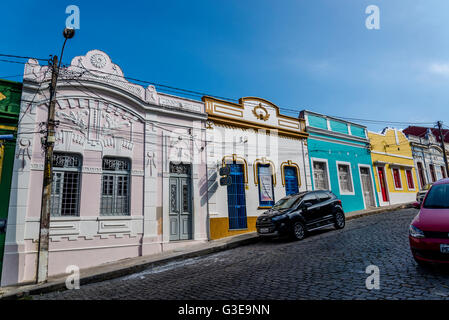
(231, 114)
(256, 170)
(8, 127)
(289, 163)
(236, 159)
(2, 96)
(260, 116)
(219, 227)
(252, 125)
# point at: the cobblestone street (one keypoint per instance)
(327, 265)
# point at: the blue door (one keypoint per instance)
(236, 198)
(291, 180)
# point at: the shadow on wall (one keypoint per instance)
(210, 187)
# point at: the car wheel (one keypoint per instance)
(299, 232)
(339, 220)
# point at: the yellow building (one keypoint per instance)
(393, 166)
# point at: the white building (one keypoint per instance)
(427, 154)
(129, 170)
(266, 153)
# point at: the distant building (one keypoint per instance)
(266, 153)
(427, 153)
(393, 166)
(340, 160)
(10, 93)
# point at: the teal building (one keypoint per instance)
(340, 160)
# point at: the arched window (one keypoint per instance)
(290, 177)
(265, 178)
(115, 187)
(65, 188)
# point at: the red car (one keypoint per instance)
(429, 230)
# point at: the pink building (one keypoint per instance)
(129, 170)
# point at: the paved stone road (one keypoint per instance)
(327, 265)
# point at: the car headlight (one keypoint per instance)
(415, 232)
(277, 218)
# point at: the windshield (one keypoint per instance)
(438, 197)
(287, 202)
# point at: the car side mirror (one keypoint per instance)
(416, 205)
(306, 205)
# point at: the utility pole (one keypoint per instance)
(44, 228)
(443, 147)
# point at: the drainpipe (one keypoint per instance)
(207, 189)
(304, 164)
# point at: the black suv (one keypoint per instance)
(302, 212)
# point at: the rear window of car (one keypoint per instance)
(323, 196)
(437, 197)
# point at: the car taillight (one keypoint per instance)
(339, 202)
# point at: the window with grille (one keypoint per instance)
(397, 178)
(115, 187)
(410, 182)
(345, 179)
(320, 175)
(65, 188)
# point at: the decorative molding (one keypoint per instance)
(263, 114)
(290, 163)
(256, 169)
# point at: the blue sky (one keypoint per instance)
(313, 54)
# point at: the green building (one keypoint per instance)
(10, 94)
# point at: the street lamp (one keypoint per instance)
(44, 228)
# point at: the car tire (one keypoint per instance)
(299, 231)
(340, 220)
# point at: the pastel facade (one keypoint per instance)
(128, 170)
(10, 93)
(266, 153)
(395, 175)
(427, 153)
(340, 160)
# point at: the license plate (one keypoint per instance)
(444, 248)
(264, 230)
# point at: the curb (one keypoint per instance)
(61, 286)
(252, 237)
(381, 210)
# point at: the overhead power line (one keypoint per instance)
(199, 94)
(22, 57)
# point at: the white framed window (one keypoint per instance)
(410, 181)
(115, 189)
(65, 187)
(345, 181)
(396, 173)
(320, 171)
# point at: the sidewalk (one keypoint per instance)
(134, 265)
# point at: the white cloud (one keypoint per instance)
(439, 68)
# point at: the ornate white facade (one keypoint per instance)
(105, 118)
